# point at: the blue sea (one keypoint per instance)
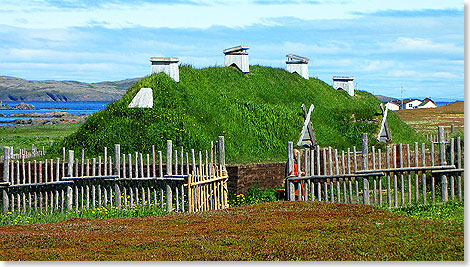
(74, 108)
(440, 104)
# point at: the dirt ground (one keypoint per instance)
(426, 120)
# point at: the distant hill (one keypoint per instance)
(385, 99)
(258, 113)
(16, 89)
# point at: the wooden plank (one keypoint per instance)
(451, 178)
(318, 159)
(402, 178)
(442, 161)
(338, 192)
(187, 163)
(459, 166)
(148, 165)
(105, 158)
(408, 161)
(365, 152)
(379, 154)
(169, 152)
(336, 162)
(349, 160)
(416, 153)
(373, 158)
(124, 174)
(332, 196)
(330, 161)
(387, 166)
(334, 176)
(423, 163)
(182, 160)
(355, 158)
(136, 166)
(142, 174)
(319, 191)
(299, 174)
(343, 168)
(129, 157)
(221, 150)
(395, 181)
(375, 191)
(154, 171)
(176, 161)
(325, 187)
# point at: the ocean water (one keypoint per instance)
(440, 104)
(74, 108)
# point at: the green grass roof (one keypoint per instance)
(258, 113)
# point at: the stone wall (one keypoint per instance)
(266, 175)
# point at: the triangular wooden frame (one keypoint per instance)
(384, 135)
(307, 137)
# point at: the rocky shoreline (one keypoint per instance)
(48, 121)
(47, 118)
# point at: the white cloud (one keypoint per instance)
(120, 14)
(420, 44)
(446, 75)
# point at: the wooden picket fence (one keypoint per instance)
(21, 153)
(434, 138)
(398, 177)
(121, 180)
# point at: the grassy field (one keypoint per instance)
(39, 135)
(426, 120)
(267, 231)
(258, 113)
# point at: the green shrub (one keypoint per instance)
(254, 195)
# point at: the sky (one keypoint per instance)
(417, 45)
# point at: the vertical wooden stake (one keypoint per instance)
(169, 151)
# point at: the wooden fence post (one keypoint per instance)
(117, 170)
(6, 164)
(169, 151)
(423, 162)
(365, 166)
(290, 169)
(459, 166)
(221, 146)
(452, 163)
(169, 194)
(442, 161)
(70, 174)
(6, 174)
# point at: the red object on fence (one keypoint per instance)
(296, 181)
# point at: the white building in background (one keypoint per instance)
(297, 64)
(427, 103)
(168, 65)
(237, 56)
(392, 106)
(344, 83)
(411, 103)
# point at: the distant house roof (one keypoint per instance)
(410, 100)
(425, 101)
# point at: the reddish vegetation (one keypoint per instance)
(268, 231)
(426, 120)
